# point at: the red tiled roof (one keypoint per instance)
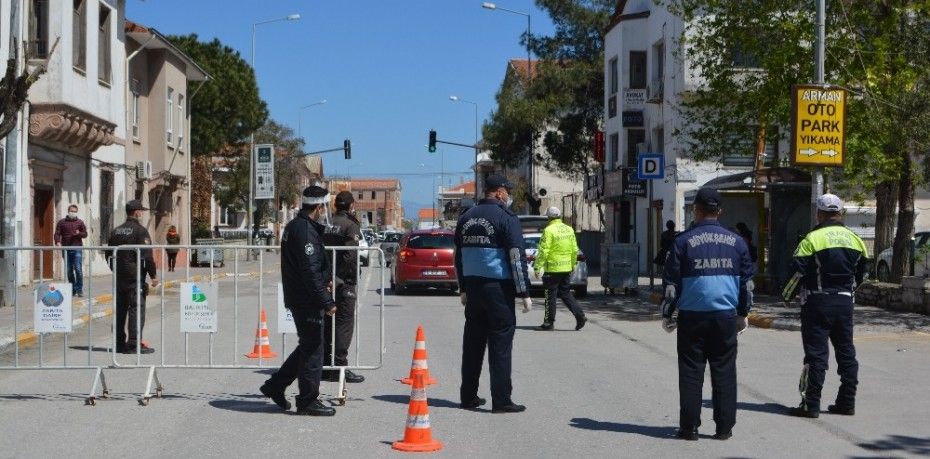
(427, 214)
(134, 27)
(466, 187)
(374, 184)
(520, 65)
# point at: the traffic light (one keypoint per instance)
(347, 146)
(432, 141)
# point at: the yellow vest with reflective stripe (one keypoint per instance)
(557, 251)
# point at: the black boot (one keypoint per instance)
(473, 403)
(803, 411)
(545, 327)
(277, 396)
(687, 434)
(580, 321)
(354, 377)
(844, 410)
(315, 408)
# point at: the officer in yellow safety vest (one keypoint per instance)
(556, 257)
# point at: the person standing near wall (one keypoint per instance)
(70, 232)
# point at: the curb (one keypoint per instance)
(27, 337)
(772, 323)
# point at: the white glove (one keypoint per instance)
(462, 296)
(527, 305)
(741, 324)
(669, 324)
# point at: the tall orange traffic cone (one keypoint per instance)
(262, 348)
(418, 365)
(418, 435)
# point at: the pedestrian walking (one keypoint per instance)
(743, 230)
(70, 232)
(131, 267)
(344, 230)
(665, 243)
(172, 238)
(829, 263)
(556, 257)
(307, 284)
(708, 278)
(490, 262)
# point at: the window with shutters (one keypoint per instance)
(79, 36)
(104, 57)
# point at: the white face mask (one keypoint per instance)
(72, 215)
(509, 201)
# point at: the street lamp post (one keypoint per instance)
(529, 73)
(300, 114)
(249, 216)
(475, 104)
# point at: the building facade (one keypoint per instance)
(158, 117)
(73, 149)
(647, 74)
(377, 201)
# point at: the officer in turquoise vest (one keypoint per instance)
(556, 257)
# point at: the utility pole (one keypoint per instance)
(820, 77)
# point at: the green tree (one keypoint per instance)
(750, 53)
(232, 185)
(561, 100)
(225, 111)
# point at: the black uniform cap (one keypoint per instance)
(344, 199)
(496, 181)
(134, 205)
(708, 198)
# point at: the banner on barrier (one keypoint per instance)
(285, 319)
(52, 312)
(198, 307)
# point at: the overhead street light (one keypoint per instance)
(475, 104)
(249, 216)
(300, 116)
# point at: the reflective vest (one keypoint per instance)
(557, 251)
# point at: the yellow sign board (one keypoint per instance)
(819, 125)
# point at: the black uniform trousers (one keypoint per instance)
(127, 310)
(558, 285)
(345, 326)
(705, 339)
(823, 318)
(305, 364)
(490, 322)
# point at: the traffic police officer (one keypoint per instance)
(828, 265)
(306, 278)
(131, 269)
(708, 278)
(556, 257)
(344, 230)
(490, 262)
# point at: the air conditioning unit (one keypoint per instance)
(143, 170)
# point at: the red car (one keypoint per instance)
(424, 259)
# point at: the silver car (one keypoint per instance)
(920, 261)
(579, 278)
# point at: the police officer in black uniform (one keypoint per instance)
(344, 230)
(829, 263)
(306, 278)
(127, 264)
(490, 262)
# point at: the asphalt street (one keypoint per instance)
(609, 390)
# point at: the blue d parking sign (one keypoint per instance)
(650, 166)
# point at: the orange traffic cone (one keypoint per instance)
(418, 435)
(262, 348)
(418, 365)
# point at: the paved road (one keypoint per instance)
(609, 390)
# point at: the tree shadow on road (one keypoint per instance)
(771, 408)
(405, 399)
(622, 308)
(663, 432)
(900, 443)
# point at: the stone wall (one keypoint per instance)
(882, 295)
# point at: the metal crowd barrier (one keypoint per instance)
(230, 358)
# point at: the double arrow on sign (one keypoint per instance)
(812, 152)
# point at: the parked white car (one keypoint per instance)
(920, 262)
(579, 278)
(363, 254)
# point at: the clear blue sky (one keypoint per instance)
(386, 67)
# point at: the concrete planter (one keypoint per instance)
(915, 294)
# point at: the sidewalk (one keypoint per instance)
(768, 311)
(98, 300)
